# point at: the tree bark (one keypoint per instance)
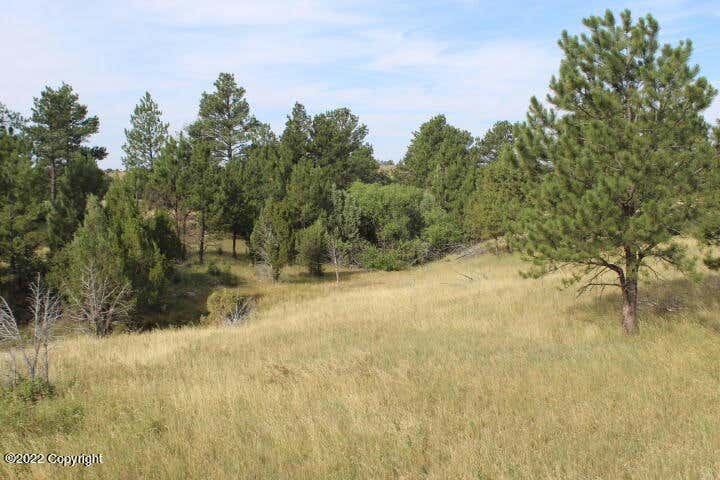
(202, 237)
(234, 240)
(53, 181)
(630, 294)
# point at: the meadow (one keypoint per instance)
(456, 369)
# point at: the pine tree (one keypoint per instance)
(294, 142)
(491, 212)
(204, 172)
(708, 231)
(338, 145)
(440, 160)
(170, 182)
(627, 151)
(147, 135)
(343, 230)
(312, 246)
(60, 126)
(488, 148)
(271, 238)
(244, 184)
(21, 209)
(81, 178)
(224, 120)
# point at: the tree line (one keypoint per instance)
(603, 177)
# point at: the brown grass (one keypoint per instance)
(416, 374)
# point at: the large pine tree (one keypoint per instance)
(60, 126)
(147, 135)
(627, 150)
(224, 120)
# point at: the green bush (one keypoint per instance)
(312, 247)
(30, 390)
(375, 258)
(404, 224)
(413, 251)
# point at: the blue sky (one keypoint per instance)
(395, 64)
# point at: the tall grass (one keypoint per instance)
(417, 374)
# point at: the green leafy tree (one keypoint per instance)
(60, 126)
(271, 238)
(627, 147)
(146, 137)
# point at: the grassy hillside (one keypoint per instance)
(417, 374)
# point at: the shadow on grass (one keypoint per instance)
(326, 277)
(660, 302)
(185, 300)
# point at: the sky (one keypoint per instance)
(395, 64)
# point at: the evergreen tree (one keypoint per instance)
(488, 148)
(312, 246)
(307, 193)
(121, 245)
(628, 151)
(204, 172)
(146, 137)
(21, 209)
(492, 210)
(171, 181)
(338, 145)
(439, 159)
(336, 152)
(244, 185)
(294, 141)
(343, 230)
(271, 238)
(11, 121)
(708, 231)
(224, 120)
(81, 178)
(60, 126)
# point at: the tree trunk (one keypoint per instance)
(184, 236)
(629, 320)
(53, 180)
(234, 237)
(202, 237)
(630, 293)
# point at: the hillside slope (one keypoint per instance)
(418, 374)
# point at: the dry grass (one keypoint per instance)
(417, 374)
